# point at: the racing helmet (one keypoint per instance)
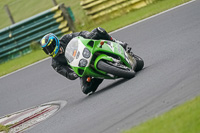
(50, 44)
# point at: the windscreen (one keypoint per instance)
(71, 50)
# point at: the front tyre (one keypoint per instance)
(116, 69)
(140, 63)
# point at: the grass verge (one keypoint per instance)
(4, 128)
(182, 119)
(131, 17)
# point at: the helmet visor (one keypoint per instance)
(50, 47)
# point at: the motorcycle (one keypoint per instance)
(101, 59)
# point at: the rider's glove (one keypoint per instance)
(72, 76)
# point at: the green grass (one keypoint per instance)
(33, 7)
(182, 119)
(4, 128)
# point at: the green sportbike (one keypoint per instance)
(101, 59)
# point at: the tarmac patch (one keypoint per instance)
(26, 119)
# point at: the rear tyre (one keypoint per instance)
(140, 63)
(116, 69)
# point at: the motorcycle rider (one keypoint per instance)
(55, 48)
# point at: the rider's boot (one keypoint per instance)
(89, 85)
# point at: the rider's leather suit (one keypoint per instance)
(60, 64)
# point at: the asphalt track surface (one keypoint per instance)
(169, 43)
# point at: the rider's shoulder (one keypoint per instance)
(66, 36)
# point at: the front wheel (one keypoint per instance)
(116, 69)
(139, 63)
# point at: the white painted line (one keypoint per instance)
(109, 33)
(152, 16)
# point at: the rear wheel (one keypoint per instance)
(116, 69)
(140, 63)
